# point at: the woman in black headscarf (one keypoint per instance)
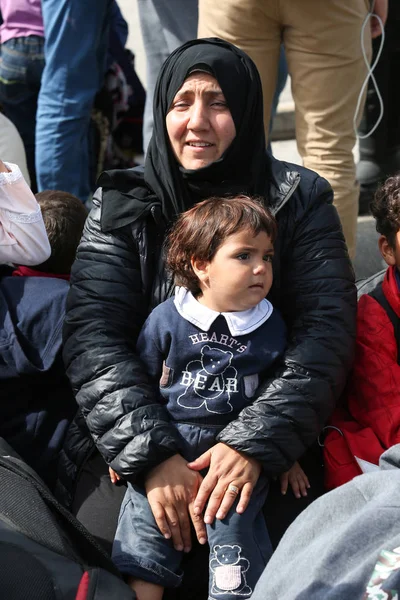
(208, 140)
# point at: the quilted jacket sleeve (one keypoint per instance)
(318, 301)
(105, 312)
(374, 393)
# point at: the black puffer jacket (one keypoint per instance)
(119, 276)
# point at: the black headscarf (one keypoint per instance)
(242, 167)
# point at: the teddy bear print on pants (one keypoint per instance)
(228, 570)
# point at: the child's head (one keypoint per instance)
(64, 216)
(221, 250)
(386, 210)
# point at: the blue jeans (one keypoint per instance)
(239, 544)
(75, 51)
(164, 26)
(21, 67)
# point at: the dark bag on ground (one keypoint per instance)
(45, 553)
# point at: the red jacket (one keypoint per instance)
(370, 423)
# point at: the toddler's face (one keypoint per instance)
(240, 274)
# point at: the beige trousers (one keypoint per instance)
(322, 40)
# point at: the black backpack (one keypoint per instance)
(45, 553)
(373, 287)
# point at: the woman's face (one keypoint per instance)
(199, 123)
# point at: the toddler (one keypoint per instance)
(209, 347)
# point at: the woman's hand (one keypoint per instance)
(297, 479)
(228, 469)
(171, 489)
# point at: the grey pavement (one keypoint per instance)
(368, 260)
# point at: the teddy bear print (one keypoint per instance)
(209, 381)
(228, 570)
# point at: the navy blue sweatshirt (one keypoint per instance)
(209, 364)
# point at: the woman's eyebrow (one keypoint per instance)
(216, 92)
(189, 91)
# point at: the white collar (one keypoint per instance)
(239, 323)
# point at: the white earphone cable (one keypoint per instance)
(370, 74)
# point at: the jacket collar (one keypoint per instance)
(239, 323)
(126, 197)
(283, 180)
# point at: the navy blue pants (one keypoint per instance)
(21, 67)
(75, 50)
(239, 544)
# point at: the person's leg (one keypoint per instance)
(370, 170)
(280, 84)
(164, 27)
(380, 152)
(392, 30)
(145, 590)
(281, 510)
(148, 560)
(96, 501)
(323, 49)
(156, 52)
(179, 20)
(12, 147)
(21, 66)
(253, 26)
(239, 548)
(76, 37)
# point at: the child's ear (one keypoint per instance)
(387, 251)
(200, 268)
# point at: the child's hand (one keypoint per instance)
(298, 481)
(113, 475)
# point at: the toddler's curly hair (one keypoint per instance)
(200, 231)
(386, 209)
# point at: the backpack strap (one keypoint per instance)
(367, 285)
(380, 297)
(78, 542)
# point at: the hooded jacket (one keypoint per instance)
(369, 422)
(37, 404)
(346, 545)
(119, 276)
